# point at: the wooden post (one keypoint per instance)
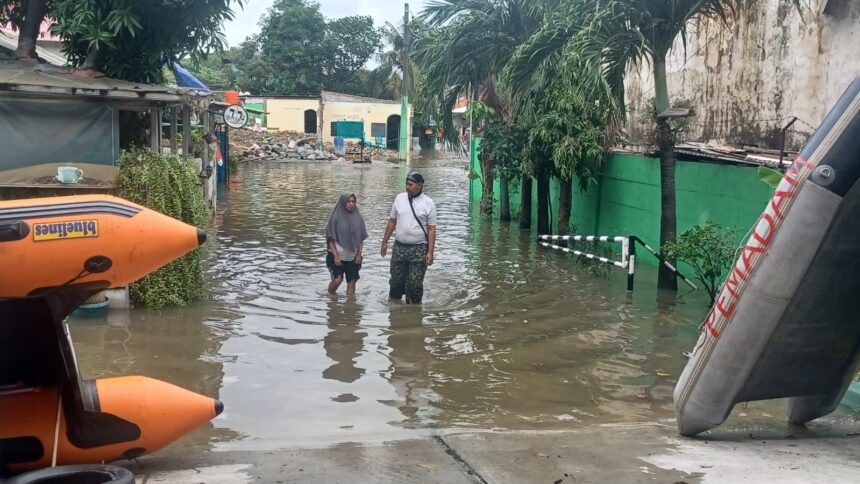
(173, 136)
(204, 156)
(186, 132)
(204, 163)
(154, 129)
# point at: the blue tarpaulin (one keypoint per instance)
(187, 79)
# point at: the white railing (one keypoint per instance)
(628, 253)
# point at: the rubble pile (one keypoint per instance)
(353, 151)
(249, 145)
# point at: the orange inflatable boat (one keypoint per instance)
(48, 242)
(49, 416)
(139, 415)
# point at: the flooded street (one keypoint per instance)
(510, 336)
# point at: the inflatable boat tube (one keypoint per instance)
(146, 415)
(47, 242)
(47, 412)
(785, 324)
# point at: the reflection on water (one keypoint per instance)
(169, 345)
(410, 365)
(344, 342)
(510, 336)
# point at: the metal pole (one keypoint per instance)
(665, 263)
(782, 142)
(631, 262)
(583, 254)
(405, 135)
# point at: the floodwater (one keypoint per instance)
(511, 336)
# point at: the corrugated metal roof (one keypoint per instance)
(44, 79)
(50, 54)
(337, 97)
(747, 155)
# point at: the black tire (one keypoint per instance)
(76, 474)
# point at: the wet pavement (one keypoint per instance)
(513, 340)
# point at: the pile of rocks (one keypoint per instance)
(250, 145)
(353, 151)
(247, 145)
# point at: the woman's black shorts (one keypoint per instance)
(350, 268)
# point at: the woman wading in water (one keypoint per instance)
(345, 234)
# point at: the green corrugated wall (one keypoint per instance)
(260, 107)
(626, 199)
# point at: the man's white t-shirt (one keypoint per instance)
(407, 230)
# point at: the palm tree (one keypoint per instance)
(463, 51)
(385, 80)
(615, 34)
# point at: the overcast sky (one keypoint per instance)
(382, 11)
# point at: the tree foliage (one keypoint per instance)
(297, 52)
(385, 80)
(169, 185)
(504, 142)
(568, 129)
(349, 43)
(709, 249)
(132, 40)
(462, 52)
(501, 140)
(466, 46)
(609, 36)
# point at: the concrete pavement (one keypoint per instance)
(617, 453)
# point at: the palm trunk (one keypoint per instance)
(543, 204)
(29, 33)
(564, 204)
(526, 203)
(661, 86)
(487, 185)
(668, 222)
(505, 210)
(491, 99)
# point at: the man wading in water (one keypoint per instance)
(413, 215)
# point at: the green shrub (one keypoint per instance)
(709, 249)
(169, 185)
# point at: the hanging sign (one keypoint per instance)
(235, 116)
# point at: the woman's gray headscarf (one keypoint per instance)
(345, 227)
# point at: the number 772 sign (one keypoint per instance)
(235, 116)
